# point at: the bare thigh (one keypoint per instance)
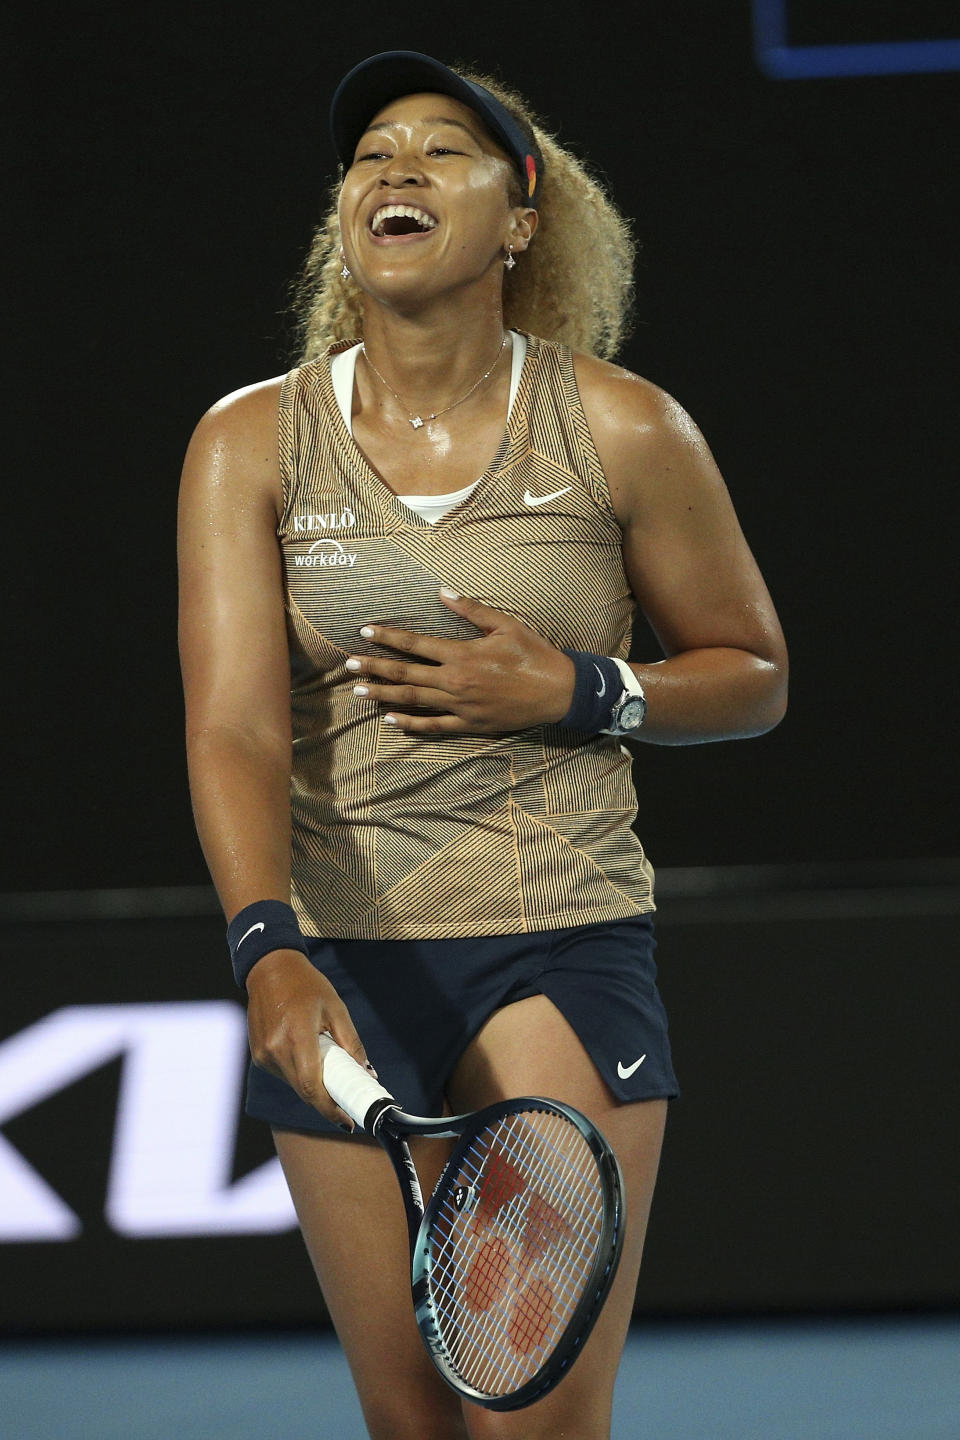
(529, 1049)
(348, 1204)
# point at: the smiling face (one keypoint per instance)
(426, 206)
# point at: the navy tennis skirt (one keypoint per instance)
(417, 1004)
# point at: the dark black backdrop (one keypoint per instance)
(797, 288)
(796, 291)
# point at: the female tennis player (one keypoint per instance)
(412, 564)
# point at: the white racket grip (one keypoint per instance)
(347, 1083)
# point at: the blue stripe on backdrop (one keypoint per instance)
(780, 60)
(877, 1379)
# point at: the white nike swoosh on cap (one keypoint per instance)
(625, 1071)
(258, 926)
(529, 499)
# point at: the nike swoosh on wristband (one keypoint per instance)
(603, 681)
(258, 926)
(625, 1071)
(529, 499)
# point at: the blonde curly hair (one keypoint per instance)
(574, 284)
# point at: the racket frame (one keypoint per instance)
(377, 1112)
(390, 1125)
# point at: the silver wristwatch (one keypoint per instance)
(630, 710)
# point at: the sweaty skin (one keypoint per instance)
(433, 322)
(689, 567)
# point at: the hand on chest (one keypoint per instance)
(530, 538)
(532, 544)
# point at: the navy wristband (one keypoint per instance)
(597, 689)
(259, 928)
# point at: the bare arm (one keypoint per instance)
(233, 651)
(237, 689)
(689, 566)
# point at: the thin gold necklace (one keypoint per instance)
(417, 421)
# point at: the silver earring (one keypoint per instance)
(344, 269)
(509, 263)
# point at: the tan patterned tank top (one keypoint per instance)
(420, 836)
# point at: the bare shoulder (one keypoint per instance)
(233, 452)
(644, 437)
(616, 397)
(243, 420)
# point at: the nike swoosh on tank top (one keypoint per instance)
(419, 836)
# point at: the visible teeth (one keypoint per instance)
(389, 212)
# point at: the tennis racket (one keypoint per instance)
(516, 1250)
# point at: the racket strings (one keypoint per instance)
(535, 1307)
(513, 1247)
(541, 1222)
(479, 1277)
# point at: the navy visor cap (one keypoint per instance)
(375, 82)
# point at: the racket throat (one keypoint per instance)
(402, 1162)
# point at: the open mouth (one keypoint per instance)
(401, 220)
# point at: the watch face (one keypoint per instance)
(631, 713)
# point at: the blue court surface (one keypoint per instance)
(875, 1379)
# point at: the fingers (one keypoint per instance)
(405, 695)
(293, 1055)
(423, 687)
(413, 696)
(291, 1003)
(309, 1062)
(398, 672)
(428, 686)
(410, 642)
(433, 647)
(306, 1077)
(432, 724)
(500, 680)
(341, 1030)
(485, 617)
